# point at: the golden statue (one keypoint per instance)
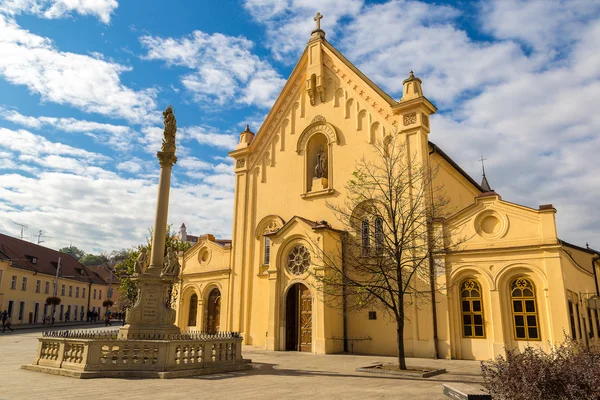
(170, 129)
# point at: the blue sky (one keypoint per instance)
(83, 82)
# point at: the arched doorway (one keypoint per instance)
(213, 312)
(193, 310)
(298, 318)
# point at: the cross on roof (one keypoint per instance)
(317, 19)
(482, 165)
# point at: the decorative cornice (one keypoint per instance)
(166, 158)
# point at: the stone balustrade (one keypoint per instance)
(101, 354)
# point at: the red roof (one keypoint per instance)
(33, 257)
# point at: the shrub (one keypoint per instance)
(53, 301)
(570, 370)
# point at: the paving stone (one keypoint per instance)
(276, 375)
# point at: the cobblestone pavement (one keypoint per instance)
(276, 375)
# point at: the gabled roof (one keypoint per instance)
(290, 82)
(450, 161)
(314, 225)
(22, 254)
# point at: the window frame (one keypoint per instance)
(266, 251)
(471, 299)
(365, 238)
(13, 282)
(24, 284)
(524, 313)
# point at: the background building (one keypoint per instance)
(28, 276)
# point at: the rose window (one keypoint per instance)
(298, 260)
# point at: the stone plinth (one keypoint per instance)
(87, 354)
(150, 314)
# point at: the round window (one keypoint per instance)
(298, 260)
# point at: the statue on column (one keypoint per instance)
(321, 167)
(171, 266)
(142, 262)
(170, 129)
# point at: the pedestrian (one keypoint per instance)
(7, 325)
(66, 316)
(4, 317)
(81, 315)
(107, 319)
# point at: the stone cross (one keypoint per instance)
(318, 20)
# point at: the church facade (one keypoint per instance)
(512, 282)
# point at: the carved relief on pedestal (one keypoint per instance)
(425, 120)
(240, 163)
(410, 119)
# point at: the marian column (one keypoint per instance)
(151, 315)
(166, 158)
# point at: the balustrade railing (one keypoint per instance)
(106, 351)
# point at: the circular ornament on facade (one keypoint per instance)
(204, 255)
(298, 260)
(491, 224)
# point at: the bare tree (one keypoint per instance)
(390, 239)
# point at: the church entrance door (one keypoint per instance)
(298, 319)
(213, 315)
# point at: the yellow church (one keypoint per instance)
(513, 282)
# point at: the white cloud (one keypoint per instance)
(119, 137)
(52, 9)
(225, 69)
(290, 22)
(74, 198)
(27, 143)
(85, 82)
(206, 136)
(548, 27)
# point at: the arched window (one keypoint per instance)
(524, 309)
(193, 310)
(378, 235)
(472, 309)
(365, 240)
(267, 251)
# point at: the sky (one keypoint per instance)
(83, 84)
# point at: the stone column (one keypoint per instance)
(166, 159)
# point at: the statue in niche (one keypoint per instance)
(141, 263)
(171, 266)
(321, 167)
(170, 128)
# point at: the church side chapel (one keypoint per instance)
(512, 282)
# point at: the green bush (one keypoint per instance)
(570, 370)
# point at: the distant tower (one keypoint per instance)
(183, 233)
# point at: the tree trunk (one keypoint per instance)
(400, 338)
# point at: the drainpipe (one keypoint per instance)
(344, 306)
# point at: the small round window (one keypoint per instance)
(298, 260)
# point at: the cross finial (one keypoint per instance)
(318, 20)
(482, 164)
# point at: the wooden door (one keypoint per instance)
(305, 323)
(213, 319)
